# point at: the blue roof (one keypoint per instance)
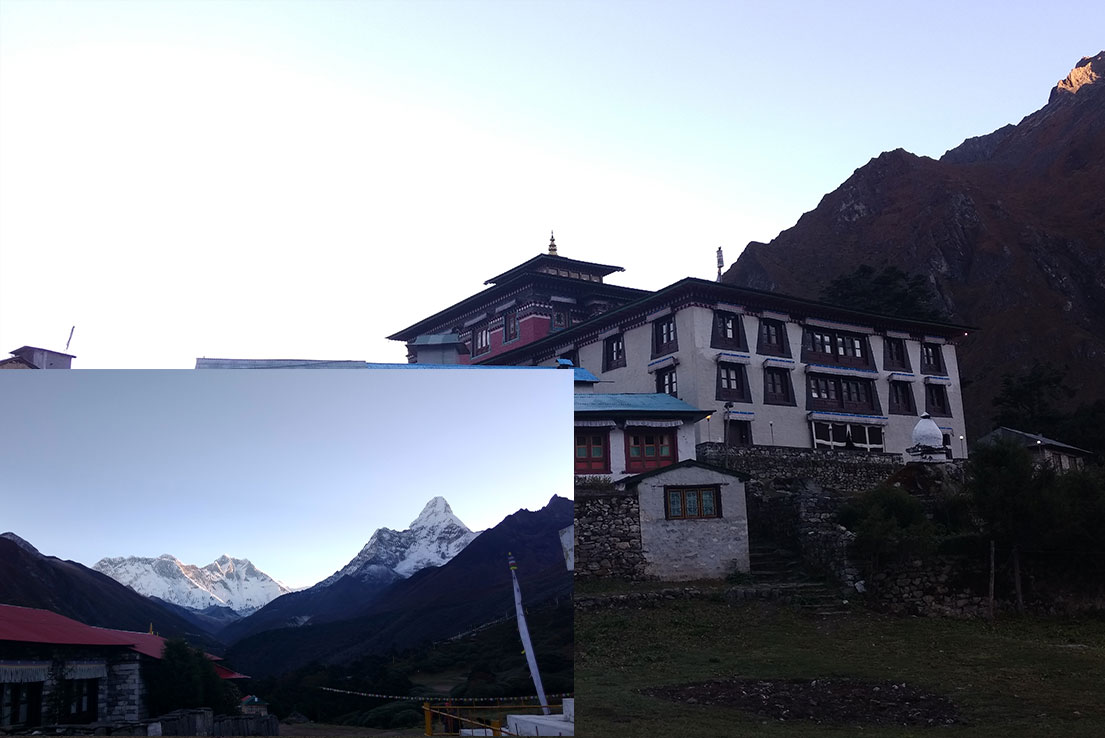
(324, 364)
(584, 375)
(634, 402)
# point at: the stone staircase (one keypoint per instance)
(778, 574)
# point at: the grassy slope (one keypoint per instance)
(1025, 677)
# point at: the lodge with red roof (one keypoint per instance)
(55, 670)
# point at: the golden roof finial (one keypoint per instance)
(552, 243)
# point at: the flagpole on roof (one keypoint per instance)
(523, 631)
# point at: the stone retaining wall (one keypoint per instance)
(847, 471)
(947, 586)
(608, 534)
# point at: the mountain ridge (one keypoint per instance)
(435, 603)
(1006, 227)
(433, 538)
(226, 582)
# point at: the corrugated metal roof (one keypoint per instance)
(31, 625)
(584, 375)
(615, 402)
(1032, 439)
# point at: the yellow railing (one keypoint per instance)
(442, 719)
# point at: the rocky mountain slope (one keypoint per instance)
(432, 539)
(233, 583)
(1008, 227)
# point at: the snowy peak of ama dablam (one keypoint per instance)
(432, 539)
(227, 582)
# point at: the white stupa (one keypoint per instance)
(928, 441)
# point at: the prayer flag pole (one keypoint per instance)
(523, 631)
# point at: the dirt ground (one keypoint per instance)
(827, 701)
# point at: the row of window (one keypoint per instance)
(823, 391)
(819, 346)
(481, 335)
(644, 451)
(21, 703)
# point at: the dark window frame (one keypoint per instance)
(609, 359)
(780, 346)
(728, 331)
(667, 381)
(510, 326)
(937, 403)
(728, 374)
(481, 339)
(835, 393)
(684, 494)
(843, 348)
(895, 354)
(772, 393)
(81, 698)
(900, 400)
(25, 701)
(665, 340)
(932, 359)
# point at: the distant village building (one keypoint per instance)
(768, 369)
(55, 670)
(1044, 450)
(251, 704)
(30, 357)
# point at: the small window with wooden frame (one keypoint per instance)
(666, 382)
(936, 401)
(510, 327)
(777, 387)
(81, 700)
(592, 451)
(648, 448)
(664, 340)
(901, 399)
(613, 352)
(728, 331)
(732, 383)
(481, 339)
(772, 339)
(932, 359)
(692, 503)
(21, 703)
(894, 355)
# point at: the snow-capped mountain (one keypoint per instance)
(228, 582)
(433, 538)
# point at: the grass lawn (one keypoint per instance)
(1015, 677)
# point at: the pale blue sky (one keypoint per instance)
(301, 179)
(292, 469)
